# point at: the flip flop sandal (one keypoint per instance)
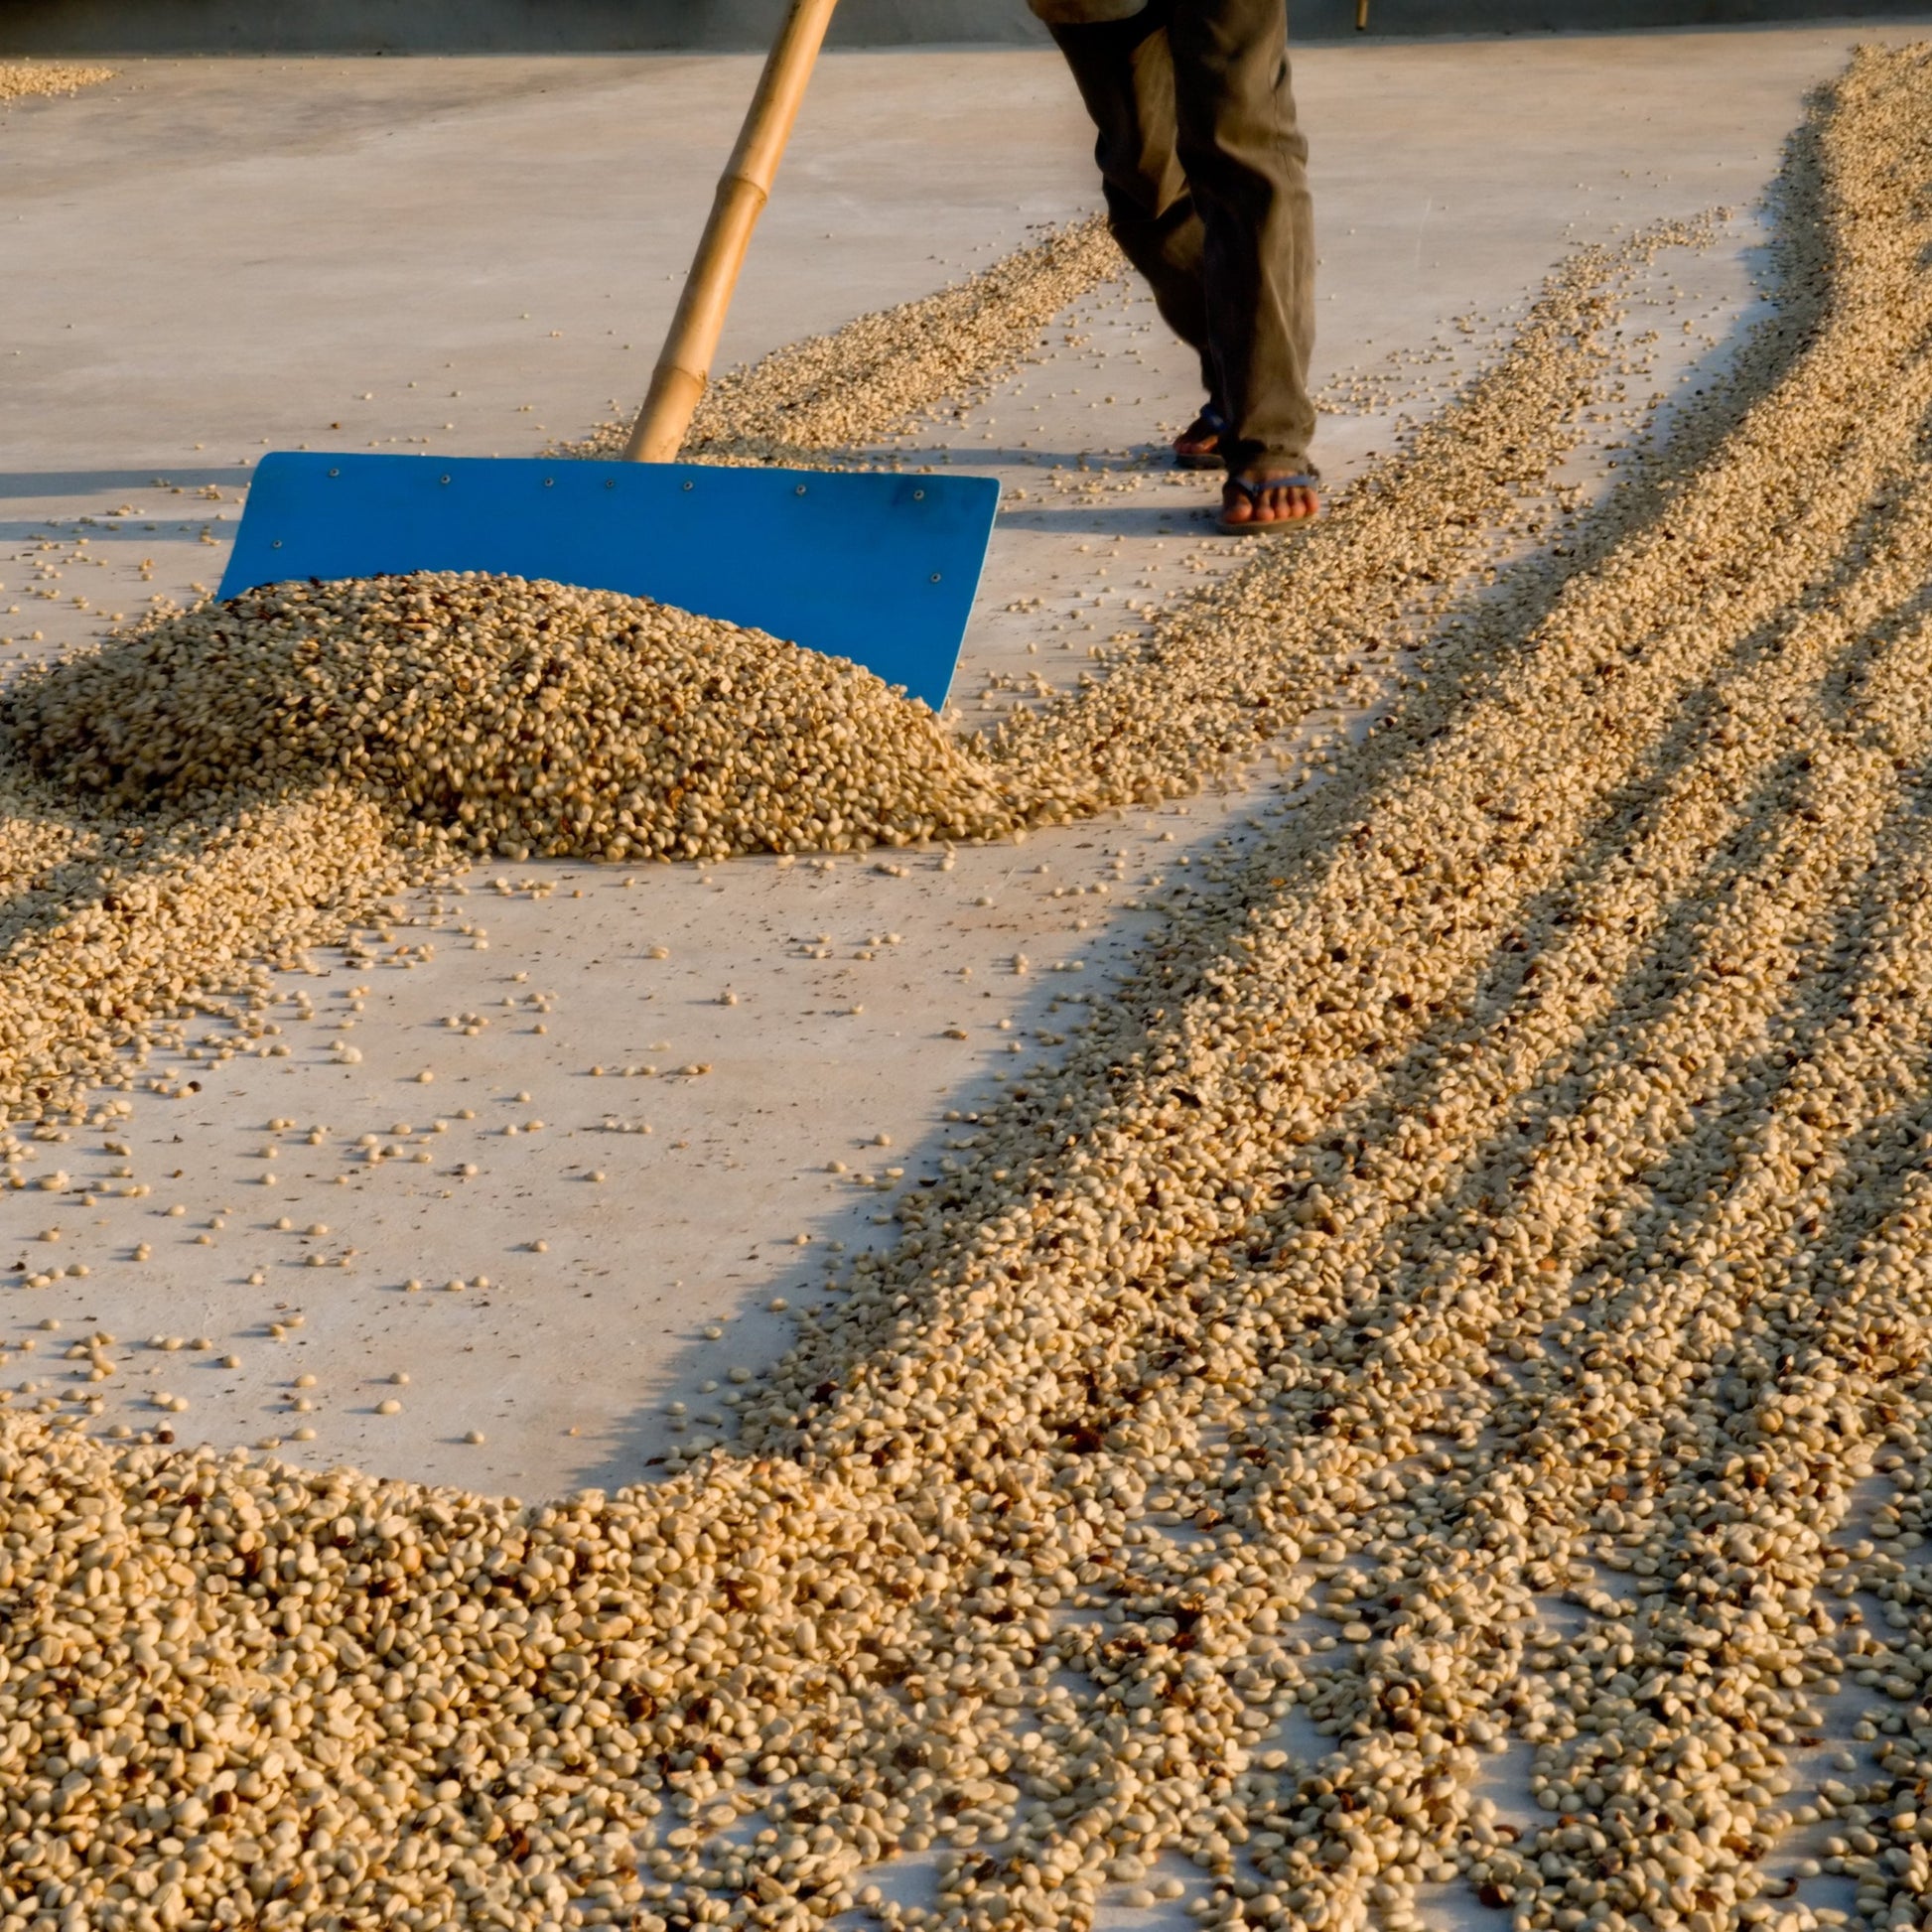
(1210, 419)
(1254, 491)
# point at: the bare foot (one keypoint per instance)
(1254, 502)
(1199, 446)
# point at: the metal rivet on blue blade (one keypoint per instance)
(276, 545)
(935, 577)
(549, 483)
(334, 472)
(799, 491)
(919, 496)
(446, 480)
(609, 482)
(687, 486)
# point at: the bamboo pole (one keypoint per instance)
(684, 364)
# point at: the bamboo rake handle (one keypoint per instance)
(684, 364)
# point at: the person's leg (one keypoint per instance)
(1125, 74)
(1245, 160)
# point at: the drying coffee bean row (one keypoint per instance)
(882, 374)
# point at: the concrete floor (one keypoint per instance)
(205, 261)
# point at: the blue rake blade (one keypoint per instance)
(878, 568)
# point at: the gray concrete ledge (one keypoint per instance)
(172, 26)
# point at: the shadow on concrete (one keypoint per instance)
(1127, 520)
(148, 529)
(44, 485)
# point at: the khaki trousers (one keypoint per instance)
(1207, 182)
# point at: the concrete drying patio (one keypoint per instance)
(208, 259)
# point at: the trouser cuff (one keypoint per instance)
(1244, 458)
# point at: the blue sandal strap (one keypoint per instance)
(1303, 479)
